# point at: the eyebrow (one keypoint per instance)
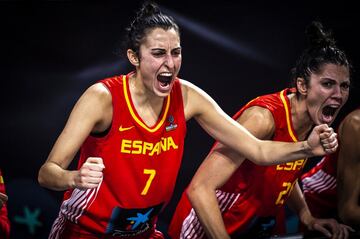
(333, 80)
(163, 49)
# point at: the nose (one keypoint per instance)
(337, 93)
(169, 61)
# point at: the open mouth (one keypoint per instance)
(329, 110)
(164, 79)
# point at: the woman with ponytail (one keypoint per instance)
(230, 195)
(130, 131)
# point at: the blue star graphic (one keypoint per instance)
(140, 218)
(30, 219)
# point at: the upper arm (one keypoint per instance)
(91, 113)
(221, 127)
(223, 161)
(349, 166)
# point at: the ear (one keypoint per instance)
(133, 58)
(301, 86)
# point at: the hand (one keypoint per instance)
(3, 199)
(90, 174)
(322, 140)
(330, 228)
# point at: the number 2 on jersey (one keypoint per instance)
(152, 173)
(288, 187)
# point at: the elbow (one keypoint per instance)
(195, 191)
(259, 158)
(260, 162)
(191, 191)
(41, 178)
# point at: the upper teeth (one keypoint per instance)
(168, 74)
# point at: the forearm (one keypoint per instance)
(297, 203)
(54, 177)
(275, 152)
(206, 206)
(261, 152)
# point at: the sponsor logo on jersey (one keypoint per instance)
(172, 125)
(132, 222)
(121, 128)
(147, 148)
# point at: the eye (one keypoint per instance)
(176, 52)
(345, 86)
(158, 53)
(327, 84)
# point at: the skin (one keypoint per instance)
(3, 199)
(348, 180)
(160, 53)
(328, 87)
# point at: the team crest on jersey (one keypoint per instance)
(171, 125)
(131, 222)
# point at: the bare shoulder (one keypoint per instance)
(96, 95)
(349, 137)
(196, 101)
(351, 124)
(259, 121)
(100, 91)
(257, 113)
(188, 87)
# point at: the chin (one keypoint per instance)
(162, 93)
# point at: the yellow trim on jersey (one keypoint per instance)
(134, 115)
(1, 180)
(251, 101)
(286, 107)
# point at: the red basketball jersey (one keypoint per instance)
(141, 166)
(253, 195)
(319, 186)
(4, 220)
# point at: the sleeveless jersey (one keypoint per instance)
(252, 196)
(141, 166)
(4, 220)
(319, 187)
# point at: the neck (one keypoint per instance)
(301, 120)
(147, 104)
(140, 94)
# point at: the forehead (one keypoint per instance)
(162, 38)
(335, 72)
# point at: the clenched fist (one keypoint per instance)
(322, 140)
(90, 174)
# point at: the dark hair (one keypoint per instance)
(146, 19)
(321, 50)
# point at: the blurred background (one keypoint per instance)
(51, 51)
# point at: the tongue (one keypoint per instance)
(163, 84)
(327, 118)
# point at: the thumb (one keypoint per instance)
(321, 128)
(95, 160)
